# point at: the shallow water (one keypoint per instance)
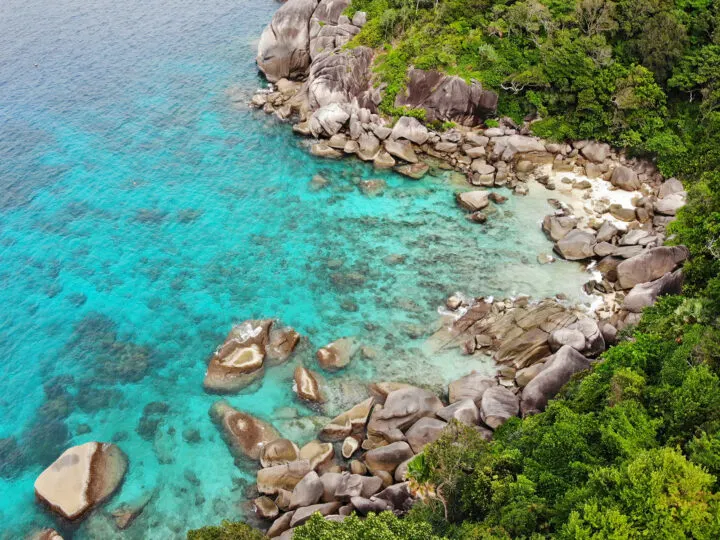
(144, 209)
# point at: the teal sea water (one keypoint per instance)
(144, 209)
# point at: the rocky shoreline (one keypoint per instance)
(608, 211)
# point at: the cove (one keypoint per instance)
(144, 209)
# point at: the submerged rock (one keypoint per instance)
(81, 478)
(473, 201)
(337, 354)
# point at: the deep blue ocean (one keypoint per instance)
(144, 209)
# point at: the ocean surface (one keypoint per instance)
(144, 209)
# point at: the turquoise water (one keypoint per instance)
(144, 209)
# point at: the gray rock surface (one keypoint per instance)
(424, 431)
(402, 409)
(576, 245)
(650, 265)
(498, 405)
(557, 372)
(447, 98)
(643, 295)
(284, 46)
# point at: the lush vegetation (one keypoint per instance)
(632, 448)
(642, 74)
(227, 530)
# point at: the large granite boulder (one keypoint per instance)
(595, 151)
(465, 412)
(281, 344)
(471, 386)
(594, 341)
(524, 350)
(327, 29)
(472, 201)
(669, 205)
(349, 422)
(278, 452)
(284, 47)
(401, 150)
(546, 384)
(498, 405)
(576, 245)
(307, 385)
(566, 336)
(387, 458)
(402, 409)
(337, 355)
(447, 98)
(398, 496)
(650, 265)
(410, 129)
(557, 227)
(272, 480)
(670, 186)
(317, 453)
(301, 515)
(244, 434)
(342, 77)
(240, 359)
(625, 178)
(328, 120)
(308, 491)
(643, 295)
(81, 478)
(424, 431)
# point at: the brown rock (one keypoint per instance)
(239, 361)
(471, 386)
(401, 410)
(244, 434)
(81, 478)
(265, 508)
(278, 452)
(423, 432)
(337, 354)
(317, 453)
(282, 477)
(307, 385)
(498, 405)
(387, 458)
(349, 422)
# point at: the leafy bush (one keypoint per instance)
(383, 526)
(227, 530)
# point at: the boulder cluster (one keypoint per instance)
(249, 347)
(359, 461)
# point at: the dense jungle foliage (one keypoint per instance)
(630, 449)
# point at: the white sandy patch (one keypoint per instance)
(601, 190)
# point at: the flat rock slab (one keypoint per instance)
(81, 478)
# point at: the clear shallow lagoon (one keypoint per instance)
(144, 209)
